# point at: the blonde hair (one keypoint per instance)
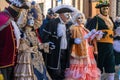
(76, 15)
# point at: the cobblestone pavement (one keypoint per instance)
(116, 74)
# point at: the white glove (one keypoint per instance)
(99, 35)
(77, 41)
(51, 45)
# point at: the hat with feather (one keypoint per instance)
(19, 3)
(103, 3)
(63, 9)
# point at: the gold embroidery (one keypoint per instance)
(108, 37)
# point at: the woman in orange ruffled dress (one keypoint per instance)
(82, 63)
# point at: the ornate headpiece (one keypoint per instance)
(102, 3)
(19, 3)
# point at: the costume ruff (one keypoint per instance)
(83, 68)
(62, 33)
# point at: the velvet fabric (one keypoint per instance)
(7, 43)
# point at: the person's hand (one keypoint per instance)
(77, 41)
(51, 45)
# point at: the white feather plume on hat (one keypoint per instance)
(63, 9)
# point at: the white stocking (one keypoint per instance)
(110, 76)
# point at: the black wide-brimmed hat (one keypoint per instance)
(102, 3)
(63, 9)
(19, 3)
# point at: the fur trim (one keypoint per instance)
(16, 32)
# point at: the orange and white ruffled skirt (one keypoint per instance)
(83, 68)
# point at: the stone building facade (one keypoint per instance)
(85, 6)
(118, 7)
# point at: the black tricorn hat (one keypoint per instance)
(104, 3)
(63, 9)
(19, 3)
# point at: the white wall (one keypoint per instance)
(47, 5)
(68, 2)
